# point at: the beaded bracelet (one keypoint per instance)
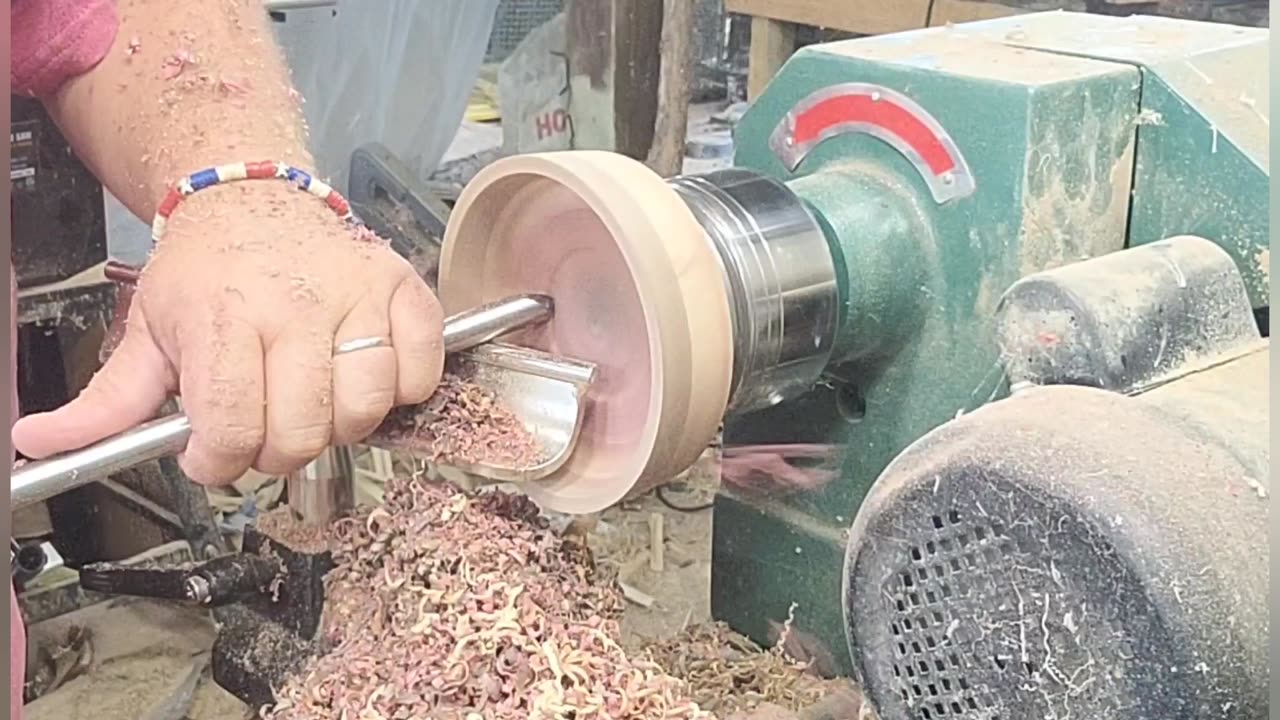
(223, 174)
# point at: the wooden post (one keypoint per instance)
(614, 65)
(772, 42)
(637, 36)
(675, 87)
(589, 46)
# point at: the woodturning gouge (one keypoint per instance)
(40, 480)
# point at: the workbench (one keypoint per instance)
(773, 22)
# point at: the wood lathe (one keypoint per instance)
(1012, 278)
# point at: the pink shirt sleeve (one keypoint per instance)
(54, 40)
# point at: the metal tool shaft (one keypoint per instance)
(167, 436)
(287, 5)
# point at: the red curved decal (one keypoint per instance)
(882, 113)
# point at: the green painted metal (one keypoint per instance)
(1050, 141)
(1202, 163)
(1194, 179)
(880, 265)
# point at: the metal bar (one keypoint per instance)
(167, 436)
(487, 322)
(60, 593)
(287, 5)
(43, 479)
(142, 504)
(324, 489)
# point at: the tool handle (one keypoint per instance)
(213, 583)
(167, 436)
(161, 583)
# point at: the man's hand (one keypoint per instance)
(239, 309)
(238, 312)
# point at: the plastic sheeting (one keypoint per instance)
(397, 72)
(534, 86)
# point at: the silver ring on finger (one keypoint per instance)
(358, 344)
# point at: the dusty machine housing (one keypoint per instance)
(1043, 387)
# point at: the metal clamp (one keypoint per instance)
(384, 192)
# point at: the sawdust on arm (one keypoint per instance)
(185, 86)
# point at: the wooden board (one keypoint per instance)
(613, 49)
(865, 17)
(773, 21)
(773, 24)
(589, 45)
(772, 42)
(962, 11)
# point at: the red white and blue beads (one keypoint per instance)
(246, 171)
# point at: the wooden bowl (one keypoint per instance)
(638, 290)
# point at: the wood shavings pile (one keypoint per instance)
(726, 673)
(448, 606)
(280, 525)
(462, 422)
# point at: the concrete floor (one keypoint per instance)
(147, 660)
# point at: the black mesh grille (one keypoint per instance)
(514, 20)
(959, 561)
(1000, 614)
(1054, 560)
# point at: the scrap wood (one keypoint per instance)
(58, 662)
(657, 543)
(636, 595)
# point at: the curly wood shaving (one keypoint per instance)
(462, 422)
(727, 673)
(449, 606)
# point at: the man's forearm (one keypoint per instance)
(186, 85)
